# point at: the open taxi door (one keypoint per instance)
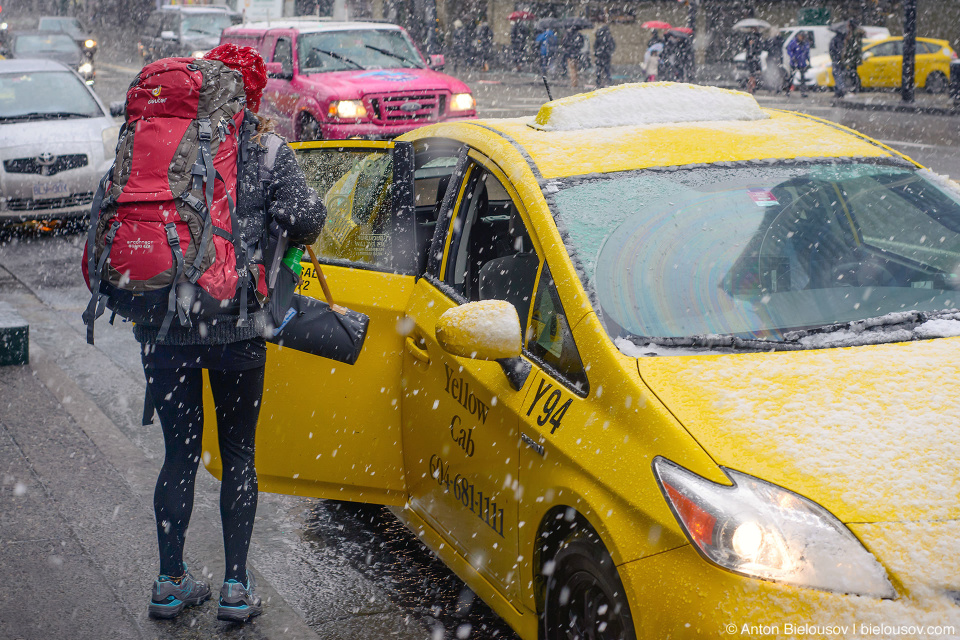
(328, 429)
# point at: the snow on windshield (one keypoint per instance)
(648, 103)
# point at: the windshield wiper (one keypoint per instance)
(47, 115)
(877, 328)
(339, 57)
(393, 55)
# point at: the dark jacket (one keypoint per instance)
(837, 44)
(603, 44)
(285, 199)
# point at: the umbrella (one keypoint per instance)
(839, 27)
(522, 15)
(748, 24)
(656, 24)
(682, 30)
(576, 23)
(547, 23)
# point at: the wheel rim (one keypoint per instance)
(589, 613)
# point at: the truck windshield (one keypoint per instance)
(757, 251)
(360, 49)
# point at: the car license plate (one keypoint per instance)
(50, 190)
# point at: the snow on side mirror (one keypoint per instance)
(484, 330)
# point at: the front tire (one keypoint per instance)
(309, 129)
(585, 599)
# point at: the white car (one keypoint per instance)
(56, 141)
(818, 36)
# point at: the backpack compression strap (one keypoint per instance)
(97, 302)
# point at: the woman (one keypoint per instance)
(234, 358)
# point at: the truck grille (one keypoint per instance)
(58, 164)
(29, 204)
(397, 108)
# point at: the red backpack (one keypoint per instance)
(162, 245)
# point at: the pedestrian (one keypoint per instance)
(651, 61)
(603, 47)
(775, 69)
(484, 45)
(669, 66)
(684, 58)
(799, 52)
(459, 45)
(837, 59)
(571, 47)
(234, 357)
(547, 44)
(519, 37)
(753, 46)
(853, 54)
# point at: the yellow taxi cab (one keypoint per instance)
(882, 65)
(655, 363)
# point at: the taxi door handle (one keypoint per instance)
(417, 352)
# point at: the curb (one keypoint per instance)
(898, 107)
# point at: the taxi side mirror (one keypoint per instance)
(484, 330)
(867, 55)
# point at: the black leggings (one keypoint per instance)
(178, 397)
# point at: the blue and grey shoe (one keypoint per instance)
(239, 602)
(172, 595)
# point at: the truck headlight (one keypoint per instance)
(760, 530)
(89, 43)
(462, 102)
(85, 69)
(347, 109)
(198, 54)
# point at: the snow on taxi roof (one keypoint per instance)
(647, 103)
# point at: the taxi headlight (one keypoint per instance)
(760, 530)
(462, 102)
(198, 54)
(347, 109)
(90, 43)
(109, 137)
(85, 68)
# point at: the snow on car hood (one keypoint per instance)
(353, 85)
(872, 433)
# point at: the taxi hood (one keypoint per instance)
(353, 85)
(872, 433)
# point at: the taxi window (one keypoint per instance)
(491, 256)
(435, 162)
(357, 190)
(550, 338)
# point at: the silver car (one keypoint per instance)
(56, 142)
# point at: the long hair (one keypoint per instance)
(264, 125)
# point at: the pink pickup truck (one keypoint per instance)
(336, 80)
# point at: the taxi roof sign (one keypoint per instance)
(645, 104)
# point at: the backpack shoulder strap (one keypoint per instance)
(268, 159)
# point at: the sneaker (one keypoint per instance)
(172, 595)
(238, 602)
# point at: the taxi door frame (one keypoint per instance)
(295, 458)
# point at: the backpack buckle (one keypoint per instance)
(173, 238)
(205, 130)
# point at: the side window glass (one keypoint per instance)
(435, 163)
(283, 53)
(171, 22)
(357, 190)
(153, 25)
(550, 339)
(491, 256)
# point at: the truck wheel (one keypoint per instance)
(585, 598)
(309, 129)
(936, 82)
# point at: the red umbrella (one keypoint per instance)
(522, 15)
(656, 24)
(686, 30)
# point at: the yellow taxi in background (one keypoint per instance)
(655, 363)
(882, 65)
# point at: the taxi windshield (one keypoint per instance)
(757, 251)
(352, 50)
